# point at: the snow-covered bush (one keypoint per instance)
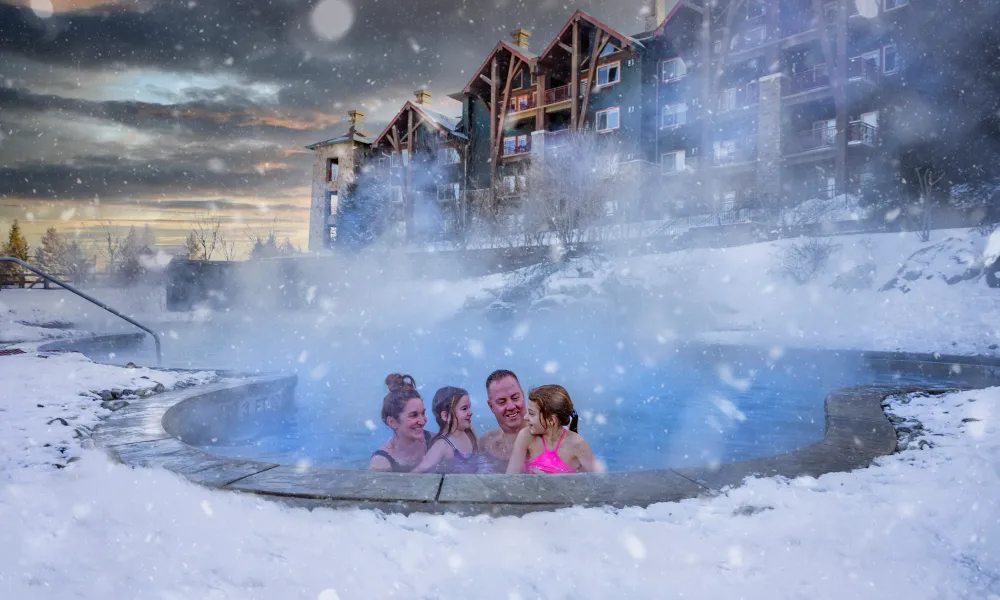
(803, 260)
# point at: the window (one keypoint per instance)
(609, 49)
(396, 194)
(673, 115)
(609, 74)
(515, 144)
(892, 4)
(756, 36)
(518, 81)
(448, 192)
(673, 69)
(406, 157)
(331, 203)
(608, 119)
(509, 184)
(332, 169)
(672, 162)
(756, 9)
(520, 102)
(727, 99)
(890, 60)
(729, 201)
(717, 47)
(725, 151)
(583, 85)
(448, 156)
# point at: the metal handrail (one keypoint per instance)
(43, 274)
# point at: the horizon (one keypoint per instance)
(127, 112)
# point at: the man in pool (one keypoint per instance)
(506, 399)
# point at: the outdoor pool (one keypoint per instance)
(643, 404)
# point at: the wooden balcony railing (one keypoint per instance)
(556, 95)
(522, 103)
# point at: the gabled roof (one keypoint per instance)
(444, 123)
(522, 53)
(348, 137)
(579, 14)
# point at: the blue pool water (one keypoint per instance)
(643, 404)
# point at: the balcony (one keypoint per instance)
(739, 98)
(806, 81)
(556, 139)
(858, 134)
(734, 152)
(522, 103)
(557, 95)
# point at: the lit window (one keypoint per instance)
(673, 115)
(609, 74)
(608, 120)
(673, 69)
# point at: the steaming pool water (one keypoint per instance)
(643, 404)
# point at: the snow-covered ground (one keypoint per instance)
(924, 523)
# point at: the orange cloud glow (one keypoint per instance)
(69, 6)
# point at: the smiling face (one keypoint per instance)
(411, 421)
(463, 414)
(506, 400)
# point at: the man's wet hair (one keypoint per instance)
(499, 374)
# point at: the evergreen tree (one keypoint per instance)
(16, 247)
(193, 247)
(51, 253)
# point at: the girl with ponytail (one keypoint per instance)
(545, 446)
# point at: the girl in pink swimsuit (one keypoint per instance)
(544, 445)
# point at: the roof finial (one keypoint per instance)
(357, 122)
(423, 96)
(520, 37)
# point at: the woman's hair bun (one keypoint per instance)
(398, 383)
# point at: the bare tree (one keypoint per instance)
(205, 238)
(110, 247)
(928, 181)
(571, 190)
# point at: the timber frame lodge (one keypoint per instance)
(712, 110)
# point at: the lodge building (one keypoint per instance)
(712, 110)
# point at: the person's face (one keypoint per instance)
(506, 400)
(535, 424)
(410, 424)
(463, 414)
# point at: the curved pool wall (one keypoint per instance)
(149, 433)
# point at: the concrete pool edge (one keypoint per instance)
(856, 433)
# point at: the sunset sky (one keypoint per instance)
(163, 111)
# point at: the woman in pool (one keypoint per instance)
(544, 446)
(403, 412)
(454, 449)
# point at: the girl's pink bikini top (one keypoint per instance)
(548, 461)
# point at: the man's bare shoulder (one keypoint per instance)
(491, 437)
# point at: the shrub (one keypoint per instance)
(802, 261)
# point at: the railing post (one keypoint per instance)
(47, 277)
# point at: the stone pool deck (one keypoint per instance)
(156, 432)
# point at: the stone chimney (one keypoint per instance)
(520, 37)
(658, 10)
(423, 96)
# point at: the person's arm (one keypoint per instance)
(379, 463)
(588, 463)
(519, 454)
(439, 451)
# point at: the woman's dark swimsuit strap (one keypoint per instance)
(394, 466)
